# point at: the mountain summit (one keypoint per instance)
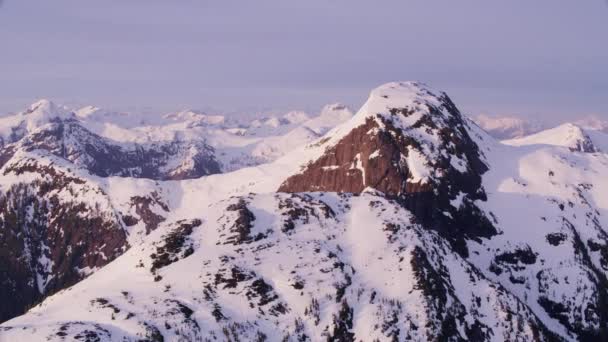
(404, 139)
(409, 142)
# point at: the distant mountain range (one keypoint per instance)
(510, 127)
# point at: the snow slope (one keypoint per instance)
(286, 278)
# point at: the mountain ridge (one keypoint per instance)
(228, 257)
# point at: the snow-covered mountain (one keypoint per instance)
(566, 135)
(513, 127)
(182, 145)
(405, 221)
(507, 127)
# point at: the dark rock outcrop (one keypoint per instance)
(48, 243)
(143, 206)
(175, 246)
(416, 150)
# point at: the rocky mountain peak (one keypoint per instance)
(409, 135)
(411, 143)
(578, 138)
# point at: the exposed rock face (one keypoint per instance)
(49, 240)
(67, 139)
(410, 143)
(175, 246)
(586, 145)
(144, 208)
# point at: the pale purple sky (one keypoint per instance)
(543, 57)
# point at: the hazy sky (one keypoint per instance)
(540, 57)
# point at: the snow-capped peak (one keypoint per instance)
(336, 111)
(414, 97)
(43, 104)
(43, 111)
(296, 117)
(566, 135)
(507, 127)
(407, 106)
(87, 111)
(396, 94)
(275, 122)
(407, 141)
(330, 116)
(46, 107)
